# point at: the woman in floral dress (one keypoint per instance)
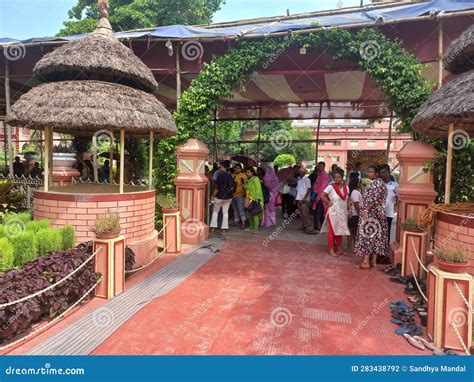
(372, 235)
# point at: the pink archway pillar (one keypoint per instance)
(191, 185)
(416, 194)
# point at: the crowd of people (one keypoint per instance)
(25, 168)
(360, 206)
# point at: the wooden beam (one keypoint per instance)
(47, 150)
(440, 54)
(150, 162)
(449, 160)
(317, 133)
(389, 140)
(122, 159)
(9, 142)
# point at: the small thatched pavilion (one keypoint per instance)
(95, 84)
(449, 112)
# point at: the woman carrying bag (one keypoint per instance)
(254, 199)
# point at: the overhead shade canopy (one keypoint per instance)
(294, 84)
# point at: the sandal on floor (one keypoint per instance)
(414, 342)
(428, 344)
(411, 329)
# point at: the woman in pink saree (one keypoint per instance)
(271, 181)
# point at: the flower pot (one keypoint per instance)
(64, 160)
(107, 235)
(450, 267)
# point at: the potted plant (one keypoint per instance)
(107, 226)
(450, 260)
(412, 225)
(64, 157)
(168, 203)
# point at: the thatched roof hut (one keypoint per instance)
(459, 57)
(452, 103)
(83, 107)
(94, 83)
(98, 56)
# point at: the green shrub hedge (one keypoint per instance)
(23, 240)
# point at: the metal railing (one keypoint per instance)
(26, 186)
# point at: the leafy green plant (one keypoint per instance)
(36, 225)
(109, 222)
(48, 240)
(166, 201)
(6, 254)
(411, 224)
(10, 199)
(284, 160)
(449, 255)
(24, 248)
(68, 236)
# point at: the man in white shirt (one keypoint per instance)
(392, 196)
(303, 192)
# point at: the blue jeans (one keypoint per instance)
(239, 210)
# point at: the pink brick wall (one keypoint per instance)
(456, 235)
(136, 216)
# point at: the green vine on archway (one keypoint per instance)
(396, 72)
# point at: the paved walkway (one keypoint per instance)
(285, 297)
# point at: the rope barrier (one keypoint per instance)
(416, 254)
(55, 319)
(463, 297)
(2, 306)
(144, 241)
(460, 338)
(416, 282)
(151, 262)
(427, 216)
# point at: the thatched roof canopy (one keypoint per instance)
(452, 103)
(98, 56)
(459, 57)
(83, 107)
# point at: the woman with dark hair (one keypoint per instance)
(222, 197)
(253, 188)
(372, 234)
(335, 224)
(355, 199)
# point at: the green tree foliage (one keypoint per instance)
(284, 160)
(139, 14)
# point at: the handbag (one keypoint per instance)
(278, 200)
(254, 208)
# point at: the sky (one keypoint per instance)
(22, 19)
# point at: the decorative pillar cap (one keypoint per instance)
(419, 151)
(193, 147)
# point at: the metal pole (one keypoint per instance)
(214, 140)
(150, 162)
(258, 137)
(111, 160)
(317, 132)
(8, 160)
(389, 141)
(178, 75)
(122, 159)
(440, 54)
(449, 159)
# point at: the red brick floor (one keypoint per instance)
(286, 298)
